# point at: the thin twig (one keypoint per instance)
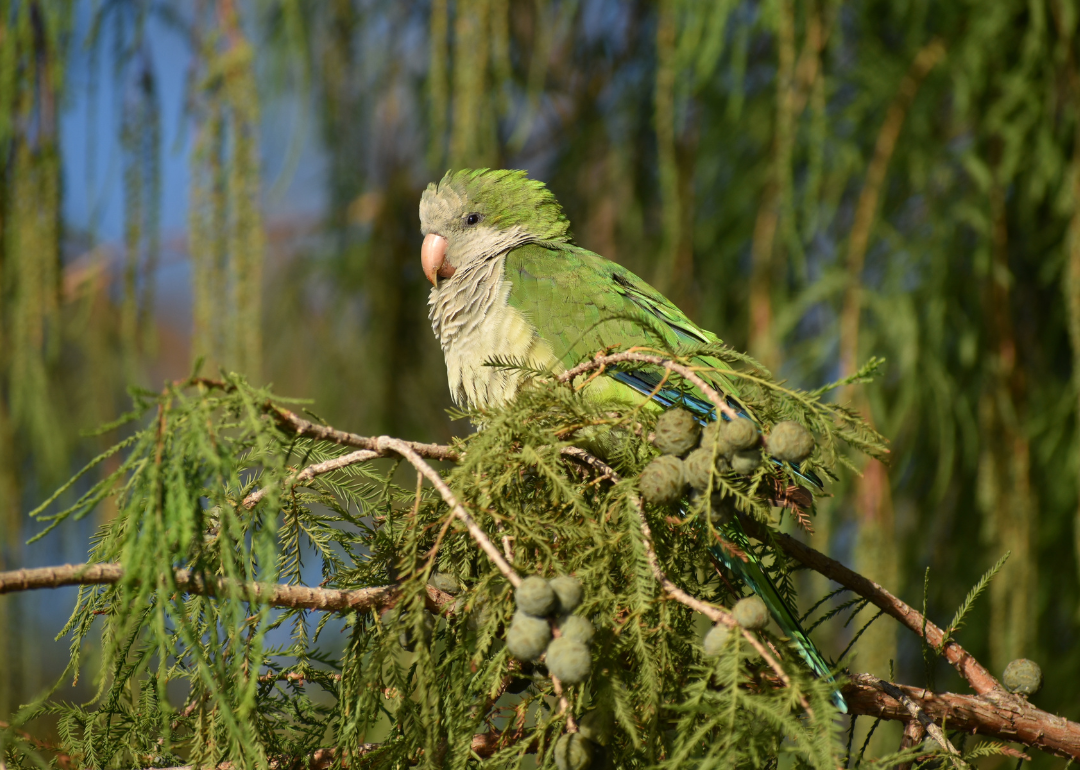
(599, 465)
(405, 449)
(302, 427)
(556, 685)
(564, 705)
(918, 715)
(292, 422)
(316, 469)
(601, 360)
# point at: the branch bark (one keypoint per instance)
(316, 469)
(301, 427)
(996, 714)
(918, 716)
(1000, 715)
(276, 595)
(981, 680)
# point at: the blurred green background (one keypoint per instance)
(818, 182)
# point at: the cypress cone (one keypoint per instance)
(568, 659)
(662, 480)
(716, 639)
(567, 593)
(676, 432)
(698, 466)
(740, 433)
(1023, 677)
(535, 597)
(746, 461)
(528, 636)
(791, 442)
(713, 436)
(573, 751)
(751, 613)
(577, 627)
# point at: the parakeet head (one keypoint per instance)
(472, 216)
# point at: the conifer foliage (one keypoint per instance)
(225, 496)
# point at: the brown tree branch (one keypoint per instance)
(293, 423)
(302, 427)
(1000, 715)
(918, 716)
(278, 595)
(316, 469)
(981, 680)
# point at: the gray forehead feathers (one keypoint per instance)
(439, 205)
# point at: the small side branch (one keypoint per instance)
(316, 469)
(406, 450)
(600, 361)
(713, 613)
(293, 423)
(917, 715)
(301, 427)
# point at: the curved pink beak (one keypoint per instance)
(433, 258)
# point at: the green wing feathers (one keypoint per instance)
(580, 303)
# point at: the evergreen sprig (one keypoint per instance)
(209, 678)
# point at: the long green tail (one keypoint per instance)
(751, 573)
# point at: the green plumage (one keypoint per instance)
(508, 198)
(581, 303)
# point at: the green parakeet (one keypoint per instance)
(508, 283)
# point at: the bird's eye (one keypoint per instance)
(472, 219)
